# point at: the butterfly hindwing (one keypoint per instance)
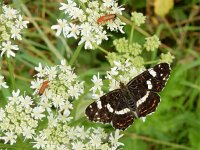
(148, 105)
(123, 116)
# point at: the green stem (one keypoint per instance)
(11, 73)
(131, 36)
(124, 19)
(75, 55)
(102, 49)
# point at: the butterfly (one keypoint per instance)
(136, 99)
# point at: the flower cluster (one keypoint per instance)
(12, 24)
(168, 57)
(58, 135)
(126, 50)
(19, 118)
(152, 43)
(120, 72)
(23, 117)
(138, 18)
(2, 83)
(63, 86)
(88, 20)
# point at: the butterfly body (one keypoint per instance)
(136, 99)
(128, 97)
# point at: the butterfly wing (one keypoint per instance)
(153, 79)
(145, 86)
(111, 108)
(103, 109)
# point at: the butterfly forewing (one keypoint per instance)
(153, 79)
(103, 109)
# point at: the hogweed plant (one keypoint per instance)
(45, 120)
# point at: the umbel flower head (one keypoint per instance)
(19, 118)
(63, 86)
(87, 23)
(11, 26)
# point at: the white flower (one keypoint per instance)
(28, 132)
(108, 3)
(78, 145)
(95, 140)
(113, 84)
(40, 142)
(61, 27)
(15, 33)
(52, 73)
(37, 112)
(68, 7)
(114, 139)
(36, 84)
(2, 83)
(101, 36)
(26, 101)
(66, 108)
(20, 23)
(2, 114)
(73, 91)
(9, 137)
(9, 12)
(88, 39)
(7, 47)
(40, 70)
(81, 133)
(74, 31)
(15, 97)
(58, 101)
(97, 83)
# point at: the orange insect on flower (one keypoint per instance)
(105, 18)
(45, 84)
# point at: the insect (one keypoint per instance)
(138, 98)
(43, 87)
(106, 18)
